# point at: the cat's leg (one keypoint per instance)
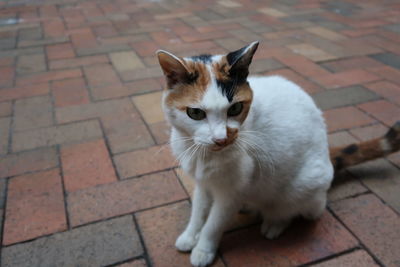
(222, 211)
(315, 206)
(200, 208)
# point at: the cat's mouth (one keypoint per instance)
(221, 147)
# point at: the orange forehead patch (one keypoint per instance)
(185, 94)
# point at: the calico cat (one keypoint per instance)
(254, 141)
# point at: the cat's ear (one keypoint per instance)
(241, 59)
(173, 67)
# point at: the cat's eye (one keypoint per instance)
(196, 113)
(235, 109)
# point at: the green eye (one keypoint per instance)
(235, 109)
(195, 113)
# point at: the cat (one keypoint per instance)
(254, 141)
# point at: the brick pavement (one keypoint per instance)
(86, 176)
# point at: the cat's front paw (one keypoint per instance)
(185, 242)
(273, 230)
(201, 258)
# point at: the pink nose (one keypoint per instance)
(220, 142)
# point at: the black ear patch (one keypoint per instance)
(234, 56)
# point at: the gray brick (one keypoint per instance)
(34, 112)
(382, 178)
(4, 134)
(31, 64)
(390, 59)
(5, 109)
(97, 244)
(101, 49)
(29, 161)
(343, 97)
(2, 193)
(264, 65)
(393, 27)
(61, 134)
(49, 41)
(30, 34)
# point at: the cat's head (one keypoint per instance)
(208, 97)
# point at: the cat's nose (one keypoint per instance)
(221, 141)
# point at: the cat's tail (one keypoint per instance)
(353, 154)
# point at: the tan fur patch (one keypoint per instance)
(221, 70)
(244, 94)
(184, 95)
(231, 134)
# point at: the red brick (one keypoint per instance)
(76, 62)
(369, 132)
(135, 263)
(85, 165)
(164, 37)
(16, 164)
(7, 61)
(302, 65)
(101, 75)
(49, 76)
(375, 224)
(144, 161)
(160, 227)
(6, 76)
(359, 32)
(387, 73)
(345, 118)
(35, 207)
(161, 132)
(60, 51)
(53, 28)
(307, 85)
(352, 63)
(386, 89)
(382, 110)
(5, 109)
(145, 48)
(24, 91)
(70, 92)
(359, 258)
(303, 242)
(83, 39)
(123, 197)
(347, 78)
(105, 31)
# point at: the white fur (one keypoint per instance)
(279, 165)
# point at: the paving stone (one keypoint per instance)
(390, 59)
(61, 134)
(102, 49)
(383, 110)
(109, 200)
(342, 138)
(263, 65)
(35, 207)
(305, 84)
(99, 244)
(31, 64)
(60, 51)
(124, 61)
(393, 27)
(302, 65)
(16, 164)
(161, 132)
(359, 258)
(160, 227)
(5, 124)
(152, 72)
(24, 91)
(310, 52)
(149, 106)
(5, 109)
(313, 240)
(386, 89)
(326, 33)
(47, 41)
(345, 118)
(335, 98)
(230, 44)
(21, 51)
(122, 123)
(77, 62)
(100, 75)
(347, 78)
(34, 112)
(369, 132)
(70, 92)
(48, 76)
(135, 263)
(147, 160)
(3, 186)
(344, 186)
(30, 34)
(382, 178)
(366, 212)
(85, 165)
(6, 76)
